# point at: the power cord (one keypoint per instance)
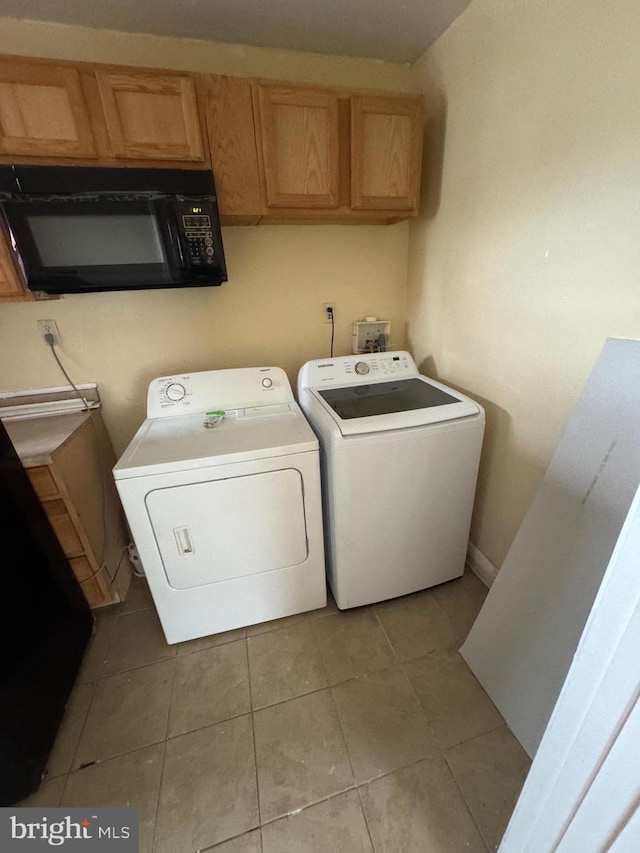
(50, 340)
(103, 566)
(333, 327)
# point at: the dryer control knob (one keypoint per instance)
(266, 382)
(361, 368)
(175, 392)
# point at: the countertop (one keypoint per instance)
(36, 439)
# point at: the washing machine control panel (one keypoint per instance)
(357, 369)
(215, 390)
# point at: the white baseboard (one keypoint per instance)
(481, 565)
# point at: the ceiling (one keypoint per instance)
(397, 31)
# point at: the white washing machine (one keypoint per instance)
(227, 519)
(399, 456)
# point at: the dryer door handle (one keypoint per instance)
(183, 540)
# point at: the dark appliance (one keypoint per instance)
(45, 626)
(84, 229)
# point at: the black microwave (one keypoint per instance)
(86, 229)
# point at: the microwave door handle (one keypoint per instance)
(178, 244)
(174, 235)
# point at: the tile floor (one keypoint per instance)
(328, 732)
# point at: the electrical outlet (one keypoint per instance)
(49, 327)
(329, 311)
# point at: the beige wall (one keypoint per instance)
(270, 310)
(527, 255)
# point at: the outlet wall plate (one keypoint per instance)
(49, 327)
(325, 311)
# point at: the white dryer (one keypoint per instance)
(227, 519)
(399, 456)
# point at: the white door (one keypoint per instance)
(221, 529)
(582, 794)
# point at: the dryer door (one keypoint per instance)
(222, 529)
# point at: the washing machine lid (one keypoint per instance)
(399, 403)
(182, 443)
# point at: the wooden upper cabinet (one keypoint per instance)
(43, 111)
(12, 288)
(386, 152)
(228, 109)
(151, 116)
(300, 146)
(279, 151)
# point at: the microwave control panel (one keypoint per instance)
(199, 240)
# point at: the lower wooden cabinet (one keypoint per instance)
(64, 526)
(68, 459)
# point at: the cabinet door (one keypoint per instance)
(63, 527)
(43, 112)
(11, 287)
(231, 132)
(95, 586)
(42, 481)
(151, 116)
(300, 146)
(386, 152)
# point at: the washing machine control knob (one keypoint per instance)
(362, 368)
(175, 392)
(266, 382)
